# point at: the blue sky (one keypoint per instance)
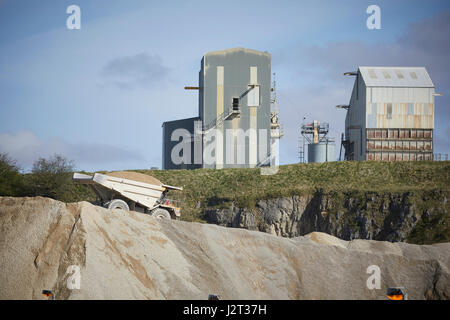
(99, 95)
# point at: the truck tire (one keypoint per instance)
(117, 204)
(161, 213)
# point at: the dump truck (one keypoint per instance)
(117, 192)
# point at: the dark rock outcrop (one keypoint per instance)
(389, 217)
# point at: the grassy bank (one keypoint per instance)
(213, 188)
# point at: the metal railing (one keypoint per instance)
(220, 119)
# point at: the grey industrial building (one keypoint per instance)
(235, 126)
(390, 116)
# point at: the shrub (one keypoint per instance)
(10, 177)
(51, 178)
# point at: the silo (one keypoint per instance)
(320, 146)
(321, 152)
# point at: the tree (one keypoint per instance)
(10, 177)
(51, 178)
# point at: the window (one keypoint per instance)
(389, 111)
(419, 145)
(372, 73)
(395, 134)
(399, 74)
(413, 75)
(406, 133)
(235, 104)
(378, 134)
(405, 145)
(391, 145)
(391, 134)
(386, 74)
(419, 133)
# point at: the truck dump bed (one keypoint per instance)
(144, 194)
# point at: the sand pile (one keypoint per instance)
(136, 176)
(128, 255)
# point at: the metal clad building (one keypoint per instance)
(390, 115)
(234, 96)
(169, 146)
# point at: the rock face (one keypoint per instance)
(386, 217)
(128, 255)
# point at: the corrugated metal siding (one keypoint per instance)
(402, 95)
(401, 117)
(237, 64)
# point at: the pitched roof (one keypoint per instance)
(414, 77)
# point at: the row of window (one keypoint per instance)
(397, 156)
(399, 134)
(399, 145)
(387, 75)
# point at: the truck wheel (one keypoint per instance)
(161, 214)
(117, 204)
